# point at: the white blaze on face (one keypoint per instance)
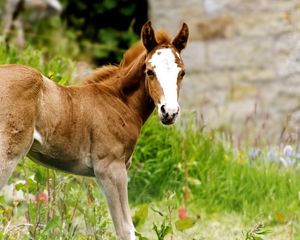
(166, 70)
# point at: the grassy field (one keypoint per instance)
(185, 183)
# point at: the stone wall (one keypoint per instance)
(242, 60)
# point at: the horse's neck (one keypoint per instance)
(136, 93)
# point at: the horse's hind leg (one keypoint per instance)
(19, 94)
(15, 141)
(6, 167)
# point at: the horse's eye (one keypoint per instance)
(181, 74)
(149, 73)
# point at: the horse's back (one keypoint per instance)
(19, 81)
(20, 88)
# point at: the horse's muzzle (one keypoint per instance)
(168, 116)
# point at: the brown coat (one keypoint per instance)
(90, 129)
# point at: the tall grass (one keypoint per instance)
(214, 176)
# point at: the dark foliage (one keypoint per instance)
(111, 26)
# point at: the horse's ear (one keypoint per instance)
(148, 36)
(181, 38)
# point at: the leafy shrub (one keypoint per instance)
(104, 29)
(58, 68)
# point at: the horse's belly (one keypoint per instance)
(67, 164)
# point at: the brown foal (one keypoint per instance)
(92, 129)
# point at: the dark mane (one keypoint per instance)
(108, 71)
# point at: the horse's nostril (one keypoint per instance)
(163, 109)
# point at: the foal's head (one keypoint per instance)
(164, 71)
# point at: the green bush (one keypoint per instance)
(58, 68)
(95, 31)
(105, 28)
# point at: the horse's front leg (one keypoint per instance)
(112, 177)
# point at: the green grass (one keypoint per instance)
(210, 177)
(218, 179)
